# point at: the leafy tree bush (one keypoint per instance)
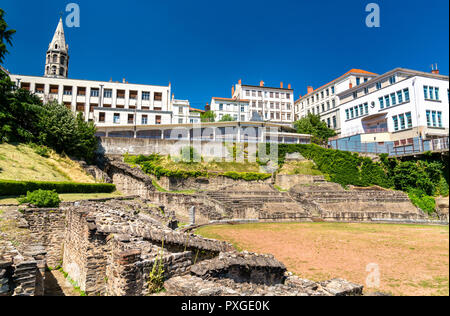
(15, 188)
(208, 116)
(227, 118)
(41, 198)
(422, 201)
(311, 124)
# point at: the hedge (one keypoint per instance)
(14, 188)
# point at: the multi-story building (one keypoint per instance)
(237, 109)
(401, 107)
(105, 103)
(275, 105)
(324, 101)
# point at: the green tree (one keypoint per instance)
(208, 116)
(5, 36)
(227, 118)
(311, 124)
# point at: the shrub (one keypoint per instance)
(41, 198)
(41, 150)
(15, 188)
(422, 201)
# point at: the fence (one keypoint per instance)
(398, 148)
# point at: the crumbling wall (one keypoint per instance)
(47, 228)
(128, 180)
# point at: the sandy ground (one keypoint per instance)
(411, 260)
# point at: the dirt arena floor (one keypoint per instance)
(411, 260)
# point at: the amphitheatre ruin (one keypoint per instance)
(116, 246)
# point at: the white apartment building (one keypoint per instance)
(275, 105)
(324, 101)
(105, 103)
(237, 109)
(398, 106)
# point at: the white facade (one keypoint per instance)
(237, 109)
(275, 105)
(324, 101)
(105, 103)
(395, 106)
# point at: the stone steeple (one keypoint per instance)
(57, 60)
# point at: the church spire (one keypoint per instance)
(57, 60)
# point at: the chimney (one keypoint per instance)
(110, 79)
(289, 86)
(232, 91)
(434, 70)
(281, 84)
(123, 80)
(240, 81)
(350, 85)
(261, 83)
(300, 96)
(310, 89)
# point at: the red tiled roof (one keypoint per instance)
(196, 110)
(352, 71)
(231, 100)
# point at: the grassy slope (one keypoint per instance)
(21, 163)
(211, 166)
(300, 167)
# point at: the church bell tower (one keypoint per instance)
(57, 59)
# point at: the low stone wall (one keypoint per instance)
(203, 184)
(287, 181)
(128, 180)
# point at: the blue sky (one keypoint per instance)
(204, 47)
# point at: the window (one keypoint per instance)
(366, 90)
(392, 79)
(431, 93)
(94, 92)
(323, 107)
(120, 94)
(428, 118)
(355, 95)
(130, 118)
(144, 120)
(352, 114)
(378, 85)
(408, 119)
(406, 92)
(67, 91)
(180, 121)
(328, 122)
(333, 102)
(158, 96)
(158, 119)
(425, 92)
(145, 96)
(334, 122)
(116, 118)
(366, 79)
(433, 116)
(322, 94)
(328, 105)
(436, 91)
(400, 96)
(358, 81)
(366, 108)
(288, 96)
(393, 99)
(361, 109)
(259, 93)
(332, 90)
(107, 93)
(395, 120)
(220, 107)
(402, 121)
(101, 117)
(381, 103)
(356, 111)
(386, 98)
(439, 117)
